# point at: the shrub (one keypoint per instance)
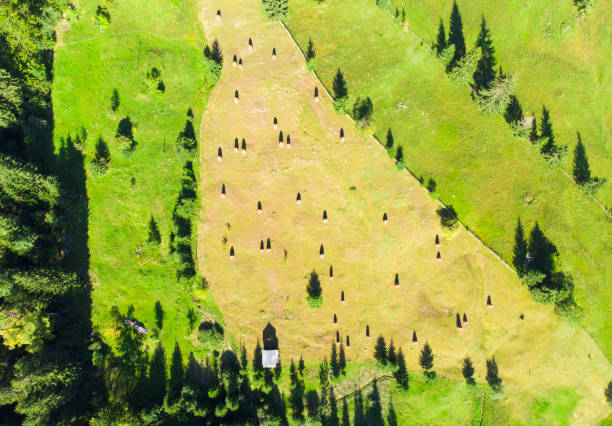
(448, 217)
(103, 17)
(276, 9)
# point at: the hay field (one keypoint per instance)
(356, 183)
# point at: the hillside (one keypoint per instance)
(355, 183)
(489, 176)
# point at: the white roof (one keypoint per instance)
(269, 359)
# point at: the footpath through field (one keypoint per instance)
(355, 183)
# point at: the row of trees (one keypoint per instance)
(494, 93)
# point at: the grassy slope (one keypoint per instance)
(425, 402)
(562, 61)
(538, 355)
(89, 63)
(488, 175)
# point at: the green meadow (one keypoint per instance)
(489, 176)
(93, 57)
(562, 59)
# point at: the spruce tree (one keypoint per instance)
(257, 365)
(115, 100)
(310, 53)
(542, 252)
(485, 69)
(493, 375)
(391, 416)
(546, 132)
(333, 362)
(312, 403)
(455, 35)
(314, 285)
(401, 374)
(339, 86)
(608, 392)
(342, 359)
(358, 414)
(244, 362)
(296, 396)
(391, 357)
(278, 368)
(216, 54)
(374, 412)
(440, 44)
(301, 366)
(399, 154)
(520, 249)
(389, 141)
(467, 369)
(175, 384)
(333, 408)
(533, 133)
(581, 170)
(380, 350)
(345, 414)
(157, 376)
(426, 359)
(514, 112)
(324, 372)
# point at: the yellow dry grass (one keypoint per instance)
(356, 183)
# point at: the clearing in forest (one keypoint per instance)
(355, 183)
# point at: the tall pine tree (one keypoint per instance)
(485, 69)
(548, 148)
(581, 170)
(455, 35)
(440, 44)
(175, 384)
(426, 359)
(339, 86)
(520, 248)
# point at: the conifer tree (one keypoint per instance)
(333, 361)
(332, 420)
(216, 53)
(391, 416)
(257, 365)
(339, 86)
(533, 133)
(391, 357)
(440, 44)
(296, 396)
(493, 375)
(157, 376)
(342, 359)
(345, 414)
(514, 112)
(426, 359)
(467, 369)
(115, 100)
(175, 384)
(310, 53)
(485, 69)
(546, 133)
(314, 285)
(520, 248)
(374, 412)
(312, 403)
(401, 374)
(389, 140)
(323, 372)
(278, 368)
(541, 251)
(581, 170)
(455, 35)
(399, 154)
(154, 234)
(380, 350)
(301, 366)
(358, 414)
(244, 362)
(608, 392)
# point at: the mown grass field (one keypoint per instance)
(356, 182)
(488, 175)
(562, 60)
(90, 61)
